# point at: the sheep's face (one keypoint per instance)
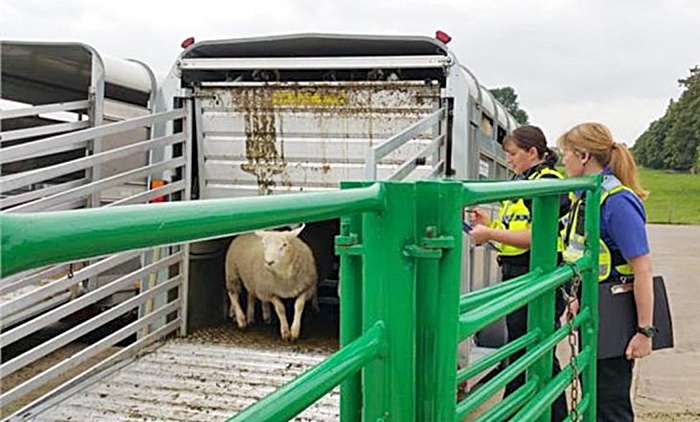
(276, 248)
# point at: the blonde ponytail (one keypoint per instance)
(623, 166)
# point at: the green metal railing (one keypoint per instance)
(402, 316)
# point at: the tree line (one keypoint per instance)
(673, 141)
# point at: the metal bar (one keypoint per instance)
(79, 330)
(589, 295)
(85, 354)
(15, 281)
(437, 170)
(187, 176)
(407, 134)
(78, 147)
(22, 151)
(63, 283)
(22, 198)
(199, 127)
(41, 109)
(18, 180)
(350, 293)
(508, 374)
(503, 410)
(290, 400)
(82, 191)
(146, 196)
(487, 294)
(543, 255)
(313, 63)
(449, 221)
(503, 352)
(485, 192)
(538, 406)
(314, 84)
(449, 111)
(388, 295)
(88, 299)
(409, 165)
(100, 369)
(31, 240)
(370, 165)
(474, 320)
(427, 321)
(33, 132)
(36, 309)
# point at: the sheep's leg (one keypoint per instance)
(282, 315)
(267, 312)
(250, 311)
(298, 311)
(236, 308)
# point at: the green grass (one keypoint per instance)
(674, 197)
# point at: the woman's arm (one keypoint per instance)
(640, 345)
(519, 238)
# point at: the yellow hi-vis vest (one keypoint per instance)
(514, 215)
(574, 234)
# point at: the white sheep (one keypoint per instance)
(272, 265)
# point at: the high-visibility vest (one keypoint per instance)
(514, 215)
(574, 234)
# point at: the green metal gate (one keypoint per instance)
(401, 312)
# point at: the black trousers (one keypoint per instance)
(517, 327)
(613, 390)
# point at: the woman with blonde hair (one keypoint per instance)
(589, 148)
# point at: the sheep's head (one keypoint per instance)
(276, 248)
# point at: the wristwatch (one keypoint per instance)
(647, 331)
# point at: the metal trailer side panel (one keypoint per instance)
(292, 137)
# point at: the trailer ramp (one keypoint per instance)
(210, 375)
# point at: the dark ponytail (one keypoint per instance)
(550, 158)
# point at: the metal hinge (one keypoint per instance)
(430, 246)
(347, 245)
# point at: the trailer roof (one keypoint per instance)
(45, 72)
(317, 45)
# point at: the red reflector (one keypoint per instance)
(442, 36)
(155, 184)
(188, 42)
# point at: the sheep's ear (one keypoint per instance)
(297, 231)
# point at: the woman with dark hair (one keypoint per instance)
(530, 158)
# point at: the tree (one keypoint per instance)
(509, 98)
(673, 141)
(684, 135)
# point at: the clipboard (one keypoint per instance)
(618, 317)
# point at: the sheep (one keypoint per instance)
(272, 266)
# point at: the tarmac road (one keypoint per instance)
(667, 383)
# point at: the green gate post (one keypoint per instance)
(450, 226)
(388, 294)
(543, 255)
(348, 246)
(438, 231)
(589, 298)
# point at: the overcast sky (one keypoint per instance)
(614, 61)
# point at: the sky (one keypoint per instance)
(613, 61)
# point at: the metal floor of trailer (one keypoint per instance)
(209, 375)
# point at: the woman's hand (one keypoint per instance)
(480, 234)
(479, 216)
(638, 347)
